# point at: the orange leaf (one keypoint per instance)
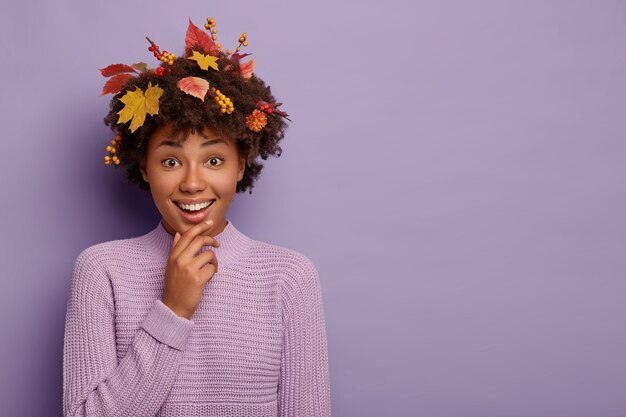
(197, 39)
(114, 69)
(194, 86)
(114, 84)
(246, 69)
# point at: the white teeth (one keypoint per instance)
(195, 207)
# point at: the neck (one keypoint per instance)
(233, 243)
(213, 231)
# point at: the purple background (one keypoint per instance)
(456, 170)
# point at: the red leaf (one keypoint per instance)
(246, 69)
(194, 86)
(197, 40)
(237, 57)
(114, 84)
(114, 69)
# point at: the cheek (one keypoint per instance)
(161, 183)
(225, 182)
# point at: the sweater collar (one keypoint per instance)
(233, 243)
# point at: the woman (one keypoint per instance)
(194, 318)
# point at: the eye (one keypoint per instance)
(169, 162)
(215, 161)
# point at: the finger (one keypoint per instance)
(208, 271)
(189, 235)
(204, 259)
(176, 239)
(196, 244)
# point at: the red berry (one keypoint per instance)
(269, 111)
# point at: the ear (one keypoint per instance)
(242, 169)
(144, 173)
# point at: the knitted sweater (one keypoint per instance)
(256, 345)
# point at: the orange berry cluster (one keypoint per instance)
(210, 26)
(242, 41)
(112, 158)
(168, 58)
(256, 120)
(224, 102)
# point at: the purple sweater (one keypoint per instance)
(256, 345)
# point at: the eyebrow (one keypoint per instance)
(177, 144)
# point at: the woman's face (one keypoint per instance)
(202, 168)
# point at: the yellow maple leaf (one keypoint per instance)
(137, 105)
(205, 61)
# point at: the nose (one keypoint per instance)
(192, 181)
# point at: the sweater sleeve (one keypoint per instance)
(304, 385)
(95, 383)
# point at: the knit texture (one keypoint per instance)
(256, 346)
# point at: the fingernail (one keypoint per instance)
(209, 222)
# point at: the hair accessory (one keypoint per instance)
(137, 104)
(226, 106)
(165, 57)
(194, 86)
(112, 158)
(202, 48)
(272, 108)
(256, 120)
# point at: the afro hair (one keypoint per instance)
(188, 114)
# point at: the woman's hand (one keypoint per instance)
(186, 274)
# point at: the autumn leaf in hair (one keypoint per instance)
(272, 108)
(204, 61)
(197, 40)
(194, 86)
(137, 105)
(119, 73)
(246, 69)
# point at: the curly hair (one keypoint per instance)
(187, 114)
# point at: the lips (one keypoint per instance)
(190, 205)
(195, 216)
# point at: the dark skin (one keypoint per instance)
(203, 167)
(186, 274)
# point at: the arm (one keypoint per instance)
(304, 385)
(94, 383)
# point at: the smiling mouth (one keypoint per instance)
(194, 208)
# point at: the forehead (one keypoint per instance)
(166, 137)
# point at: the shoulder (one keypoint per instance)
(297, 275)
(289, 262)
(102, 256)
